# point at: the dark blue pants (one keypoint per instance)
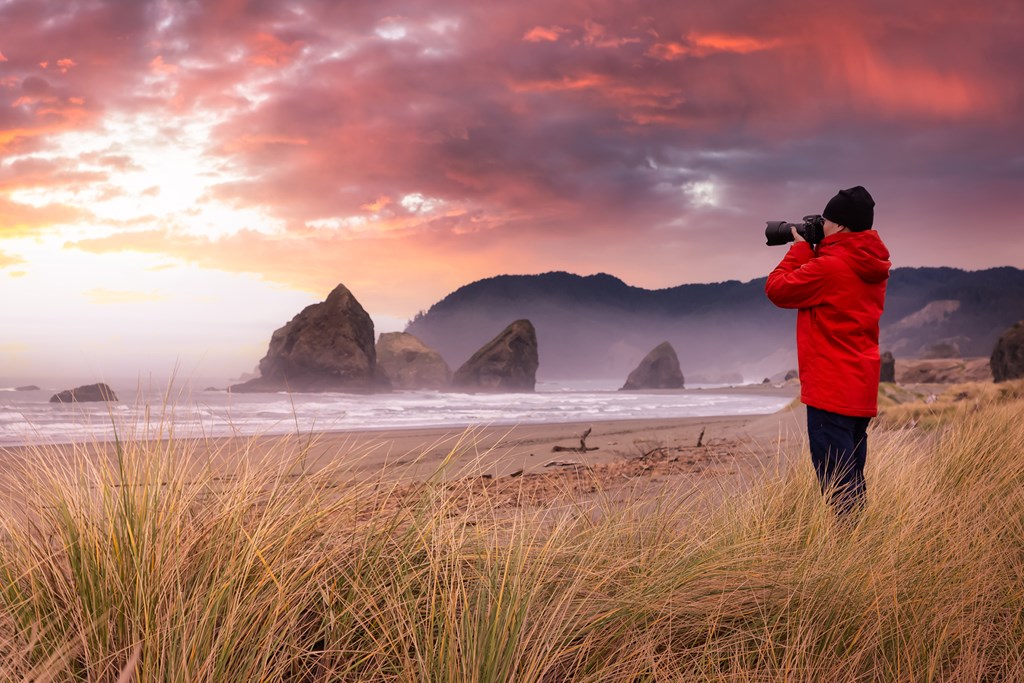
(839, 449)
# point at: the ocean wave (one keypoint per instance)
(26, 421)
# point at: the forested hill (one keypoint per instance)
(597, 326)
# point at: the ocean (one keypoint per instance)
(27, 417)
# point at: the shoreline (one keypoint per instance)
(700, 459)
(515, 465)
(663, 449)
(286, 427)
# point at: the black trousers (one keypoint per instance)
(839, 449)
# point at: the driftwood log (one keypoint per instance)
(582, 447)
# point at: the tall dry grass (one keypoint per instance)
(155, 566)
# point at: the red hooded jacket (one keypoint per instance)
(840, 291)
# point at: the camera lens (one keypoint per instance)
(778, 232)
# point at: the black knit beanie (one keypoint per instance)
(853, 208)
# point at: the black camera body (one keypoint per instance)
(780, 232)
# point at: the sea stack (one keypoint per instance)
(658, 370)
(85, 393)
(1007, 359)
(887, 371)
(508, 362)
(411, 364)
(326, 347)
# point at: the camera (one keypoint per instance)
(779, 232)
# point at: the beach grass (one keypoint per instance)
(154, 564)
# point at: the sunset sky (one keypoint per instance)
(177, 179)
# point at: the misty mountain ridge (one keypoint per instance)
(597, 326)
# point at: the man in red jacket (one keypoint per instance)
(839, 291)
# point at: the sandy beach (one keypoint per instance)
(535, 461)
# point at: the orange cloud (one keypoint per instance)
(584, 82)
(912, 88)
(11, 135)
(704, 44)
(421, 267)
(65, 65)
(119, 162)
(598, 35)
(35, 173)
(49, 117)
(708, 43)
(2, 57)
(268, 50)
(539, 34)
(633, 101)
(376, 206)
(428, 263)
(668, 51)
(17, 219)
(6, 260)
(69, 117)
(157, 65)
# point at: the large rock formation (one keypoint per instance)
(1007, 359)
(326, 347)
(506, 363)
(658, 370)
(888, 369)
(87, 392)
(411, 364)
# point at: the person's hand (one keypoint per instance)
(797, 237)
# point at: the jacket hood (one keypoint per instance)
(863, 251)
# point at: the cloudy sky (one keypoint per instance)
(177, 179)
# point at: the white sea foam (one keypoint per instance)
(28, 417)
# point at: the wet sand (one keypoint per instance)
(637, 454)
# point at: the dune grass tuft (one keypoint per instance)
(155, 565)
